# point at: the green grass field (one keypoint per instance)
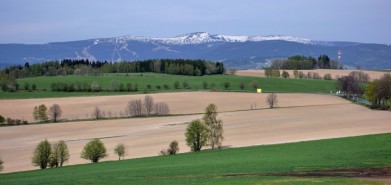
(212, 167)
(143, 80)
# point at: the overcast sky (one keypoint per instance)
(42, 21)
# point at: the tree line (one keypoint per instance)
(302, 63)
(270, 72)
(358, 84)
(83, 67)
(379, 92)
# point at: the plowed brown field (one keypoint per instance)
(299, 117)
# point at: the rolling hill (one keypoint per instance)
(245, 52)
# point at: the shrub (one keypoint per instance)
(226, 85)
(327, 76)
(120, 151)
(158, 87)
(316, 76)
(301, 75)
(254, 84)
(26, 86)
(176, 85)
(2, 119)
(94, 151)
(285, 74)
(95, 87)
(186, 84)
(205, 84)
(241, 85)
(172, 149)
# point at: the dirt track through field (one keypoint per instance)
(334, 73)
(299, 117)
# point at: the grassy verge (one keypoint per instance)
(152, 80)
(212, 167)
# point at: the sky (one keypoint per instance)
(43, 21)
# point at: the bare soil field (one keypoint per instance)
(321, 72)
(179, 103)
(299, 117)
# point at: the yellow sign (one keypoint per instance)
(259, 90)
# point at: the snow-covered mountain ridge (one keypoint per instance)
(204, 37)
(245, 52)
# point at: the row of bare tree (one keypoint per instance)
(147, 107)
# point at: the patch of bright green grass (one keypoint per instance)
(211, 167)
(143, 80)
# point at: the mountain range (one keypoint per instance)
(244, 52)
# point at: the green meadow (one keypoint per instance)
(150, 83)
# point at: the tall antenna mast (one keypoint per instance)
(339, 59)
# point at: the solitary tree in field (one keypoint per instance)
(196, 135)
(97, 113)
(272, 100)
(41, 154)
(120, 151)
(214, 125)
(55, 112)
(60, 153)
(40, 113)
(94, 151)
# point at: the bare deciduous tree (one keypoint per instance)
(161, 108)
(272, 100)
(134, 108)
(148, 105)
(97, 113)
(55, 112)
